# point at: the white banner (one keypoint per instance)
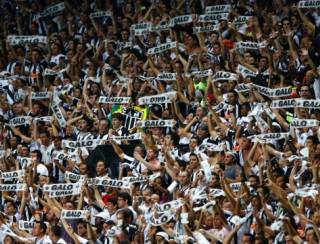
(40, 95)
(202, 73)
(51, 72)
(207, 170)
(223, 8)
(244, 87)
(26, 225)
(270, 136)
(18, 121)
(61, 190)
(213, 17)
(73, 177)
(180, 20)
(118, 100)
(73, 214)
(288, 103)
(250, 45)
(308, 103)
(93, 143)
(141, 28)
(50, 10)
(169, 205)
(161, 48)
(222, 75)
(167, 76)
(161, 219)
(136, 136)
(43, 119)
(137, 179)
(161, 27)
(13, 187)
(309, 4)
(245, 71)
(100, 14)
(304, 123)
(207, 28)
(14, 40)
(156, 123)
(276, 92)
(111, 183)
(161, 98)
(12, 174)
(57, 112)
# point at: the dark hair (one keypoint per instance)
(43, 226)
(117, 116)
(39, 155)
(112, 200)
(56, 230)
(126, 196)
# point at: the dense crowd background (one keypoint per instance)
(216, 133)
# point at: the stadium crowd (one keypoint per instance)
(206, 114)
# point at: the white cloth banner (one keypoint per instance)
(222, 75)
(136, 136)
(12, 174)
(156, 123)
(60, 190)
(169, 205)
(141, 28)
(40, 95)
(73, 214)
(51, 72)
(304, 123)
(161, 48)
(26, 225)
(111, 183)
(118, 100)
(202, 73)
(13, 187)
(213, 17)
(207, 170)
(50, 10)
(161, 27)
(57, 112)
(93, 143)
(137, 179)
(74, 177)
(207, 28)
(250, 45)
(167, 76)
(270, 136)
(244, 87)
(276, 92)
(245, 71)
(180, 20)
(309, 4)
(100, 14)
(14, 40)
(161, 98)
(223, 8)
(308, 103)
(44, 119)
(18, 121)
(161, 219)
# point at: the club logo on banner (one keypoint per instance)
(156, 123)
(162, 48)
(118, 100)
(161, 98)
(61, 190)
(73, 214)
